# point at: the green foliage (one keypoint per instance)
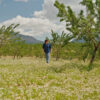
(8, 34)
(10, 41)
(81, 26)
(21, 49)
(59, 42)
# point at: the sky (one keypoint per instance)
(36, 17)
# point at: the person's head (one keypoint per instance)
(46, 41)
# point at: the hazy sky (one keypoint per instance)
(36, 17)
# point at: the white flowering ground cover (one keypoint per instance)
(33, 79)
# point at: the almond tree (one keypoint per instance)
(8, 34)
(83, 26)
(59, 42)
(10, 39)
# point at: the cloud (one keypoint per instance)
(50, 12)
(36, 27)
(43, 21)
(21, 0)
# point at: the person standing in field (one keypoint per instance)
(47, 50)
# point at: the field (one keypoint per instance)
(33, 79)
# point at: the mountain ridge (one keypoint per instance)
(29, 39)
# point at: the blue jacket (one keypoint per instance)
(47, 48)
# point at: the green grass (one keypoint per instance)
(33, 79)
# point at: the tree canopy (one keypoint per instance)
(83, 26)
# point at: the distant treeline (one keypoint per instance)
(19, 50)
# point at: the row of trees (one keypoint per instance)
(20, 49)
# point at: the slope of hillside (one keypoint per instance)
(29, 39)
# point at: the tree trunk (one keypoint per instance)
(93, 57)
(57, 56)
(14, 57)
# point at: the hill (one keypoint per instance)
(29, 39)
